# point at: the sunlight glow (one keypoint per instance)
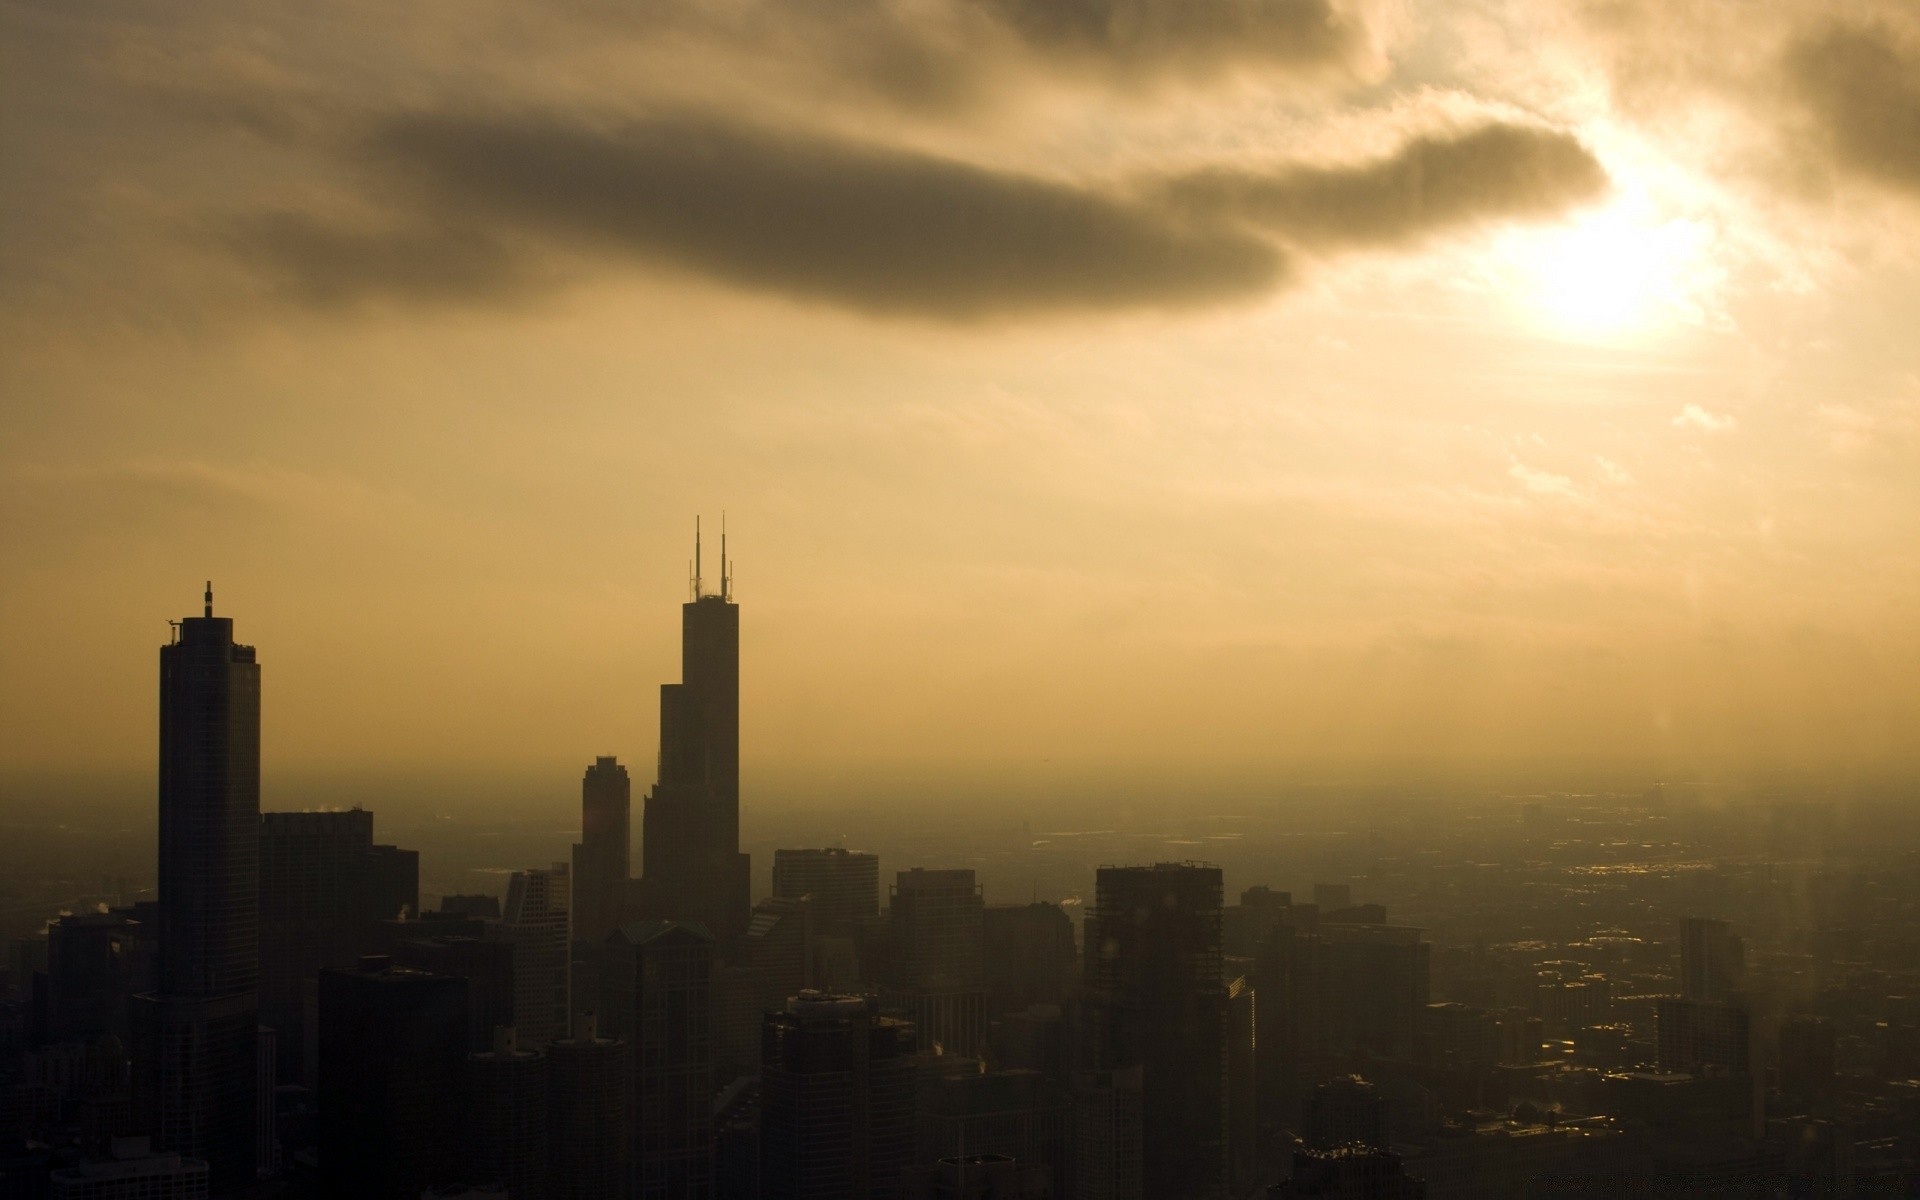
(1618, 270)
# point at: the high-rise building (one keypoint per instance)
(507, 1117)
(836, 1101)
(196, 1033)
(589, 1115)
(1345, 1111)
(486, 965)
(656, 990)
(981, 1177)
(1712, 959)
(1108, 1115)
(1377, 983)
(535, 923)
(1702, 1036)
(938, 934)
(1155, 998)
(604, 856)
(1029, 955)
(1020, 1114)
(324, 889)
(779, 948)
(1807, 1061)
(131, 1170)
(844, 885)
(392, 1066)
(1242, 1104)
(692, 868)
(1349, 1173)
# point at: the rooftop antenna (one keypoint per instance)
(726, 570)
(209, 597)
(696, 557)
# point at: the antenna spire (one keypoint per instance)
(696, 557)
(209, 598)
(726, 570)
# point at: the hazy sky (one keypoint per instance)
(1198, 384)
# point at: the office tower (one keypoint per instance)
(392, 1067)
(1332, 896)
(692, 868)
(1035, 1039)
(779, 947)
(1712, 959)
(937, 927)
(1807, 1061)
(535, 924)
(1345, 1111)
(1702, 1036)
(1242, 1127)
(845, 886)
(1109, 1111)
(1376, 981)
(836, 1101)
(324, 889)
(1289, 973)
(486, 965)
(96, 964)
(196, 1033)
(1029, 955)
(603, 858)
(506, 1126)
(656, 990)
(1244, 926)
(1155, 998)
(1349, 1173)
(981, 1177)
(1020, 1114)
(131, 1170)
(482, 907)
(266, 1081)
(589, 1115)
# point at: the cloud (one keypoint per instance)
(864, 226)
(1543, 483)
(1134, 35)
(1862, 85)
(1695, 417)
(1430, 184)
(326, 264)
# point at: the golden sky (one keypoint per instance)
(1206, 385)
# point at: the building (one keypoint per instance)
(535, 923)
(196, 1034)
(844, 885)
(980, 1177)
(507, 1117)
(1697, 1037)
(325, 887)
(589, 1115)
(1017, 1114)
(1348, 1173)
(836, 1101)
(131, 1170)
(1155, 998)
(1806, 1058)
(1029, 956)
(1243, 1136)
(936, 925)
(603, 858)
(96, 963)
(1107, 1130)
(657, 995)
(1713, 959)
(1345, 1111)
(392, 1075)
(779, 948)
(486, 965)
(692, 868)
(1375, 981)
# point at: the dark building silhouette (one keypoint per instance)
(656, 990)
(1108, 1115)
(1029, 956)
(1242, 1090)
(1345, 1111)
(536, 923)
(1712, 959)
(937, 959)
(1376, 980)
(392, 1069)
(1155, 998)
(1017, 1114)
(1806, 1059)
(486, 965)
(692, 868)
(602, 859)
(980, 1177)
(506, 1125)
(845, 886)
(196, 1033)
(96, 964)
(1349, 1173)
(589, 1115)
(325, 887)
(836, 1107)
(1702, 1036)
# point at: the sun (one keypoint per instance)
(1617, 270)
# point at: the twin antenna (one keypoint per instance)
(726, 566)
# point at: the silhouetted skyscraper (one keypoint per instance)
(657, 988)
(1155, 998)
(1107, 1116)
(535, 921)
(1712, 959)
(938, 929)
(836, 1101)
(196, 1034)
(589, 1115)
(507, 1117)
(603, 858)
(692, 866)
(845, 886)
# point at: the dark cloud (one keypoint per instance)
(877, 229)
(1862, 85)
(1191, 33)
(329, 264)
(1429, 185)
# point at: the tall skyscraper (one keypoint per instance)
(836, 1101)
(692, 868)
(604, 856)
(657, 988)
(196, 1033)
(939, 943)
(844, 886)
(507, 1117)
(1155, 998)
(1712, 959)
(589, 1115)
(535, 922)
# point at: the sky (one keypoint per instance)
(1193, 388)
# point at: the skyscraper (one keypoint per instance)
(589, 1115)
(939, 944)
(1712, 959)
(507, 1117)
(845, 886)
(535, 922)
(604, 857)
(836, 1101)
(1156, 999)
(692, 868)
(656, 983)
(196, 1033)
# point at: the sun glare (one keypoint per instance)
(1617, 270)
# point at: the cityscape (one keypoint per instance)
(1559, 995)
